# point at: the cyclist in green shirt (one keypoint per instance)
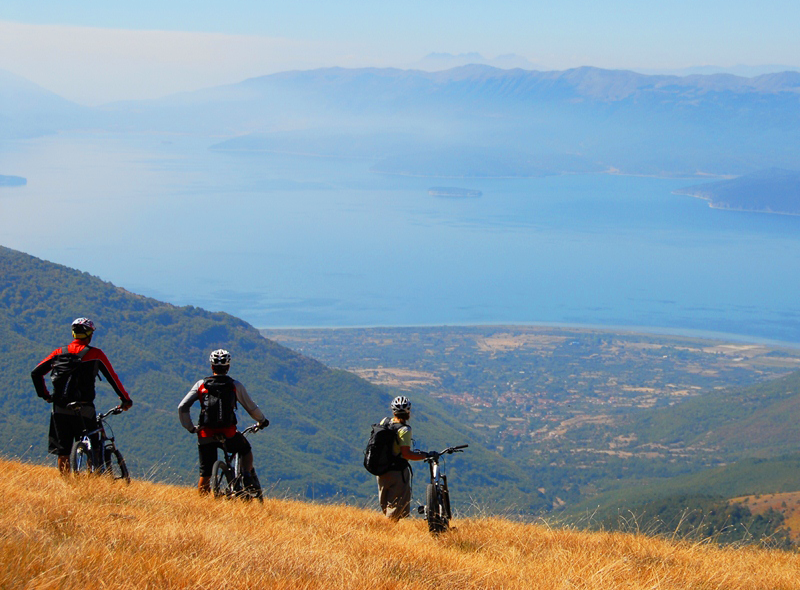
(394, 486)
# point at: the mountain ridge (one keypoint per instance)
(603, 119)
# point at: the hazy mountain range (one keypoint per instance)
(737, 70)
(515, 122)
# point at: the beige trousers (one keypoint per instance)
(394, 493)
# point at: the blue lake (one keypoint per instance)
(302, 241)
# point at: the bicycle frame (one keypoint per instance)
(95, 451)
(436, 471)
(230, 468)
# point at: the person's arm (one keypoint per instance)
(38, 373)
(404, 438)
(95, 354)
(248, 404)
(410, 455)
(183, 408)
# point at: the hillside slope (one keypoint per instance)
(737, 423)
(79, 534)
(320, 417)
(746, 437)
(28, 110)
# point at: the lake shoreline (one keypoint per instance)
(713, 205)
(595, 328)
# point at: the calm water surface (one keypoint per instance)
(301, 241)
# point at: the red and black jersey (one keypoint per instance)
(94, 361)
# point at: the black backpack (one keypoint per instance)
(378, 456)
(63, 375)
(218, 403)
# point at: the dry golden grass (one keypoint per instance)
(86, 534)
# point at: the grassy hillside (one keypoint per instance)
(320, 417)
(787, 504)
(80, 534)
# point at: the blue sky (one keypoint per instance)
(94, 51)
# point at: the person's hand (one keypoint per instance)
(263, 424)
(193, 430)
(126, 404)
(48, 398)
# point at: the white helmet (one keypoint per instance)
(401, 405)
(220, 357)
(82, 327)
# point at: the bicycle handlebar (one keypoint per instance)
(76, 406)
(255, 428)
(113, 411)
(447, 451)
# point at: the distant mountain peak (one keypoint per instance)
(445, 61)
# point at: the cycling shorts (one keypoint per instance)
(66, 429)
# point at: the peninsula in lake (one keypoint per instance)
(768, 191)
(12, 181)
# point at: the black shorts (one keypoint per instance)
(66, 429)
(208, 451)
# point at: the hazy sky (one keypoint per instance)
(93, 51)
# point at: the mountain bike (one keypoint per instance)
(95, 452)
(227, 479)
(437, 496)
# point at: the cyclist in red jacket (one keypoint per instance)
(77, 384)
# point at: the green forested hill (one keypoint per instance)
(320, 417)
(744, 441)
(755, 421)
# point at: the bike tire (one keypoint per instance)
(433, 510)
(221, 479)
(80, 458)
(445, 501)
(117, 468)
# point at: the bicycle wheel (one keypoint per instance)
(116, 467)
(221, 479)
(80, 458)
(433, 510)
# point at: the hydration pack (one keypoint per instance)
(379, 457)
(63, 375)
(218, 402)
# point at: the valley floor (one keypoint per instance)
(81, 534)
